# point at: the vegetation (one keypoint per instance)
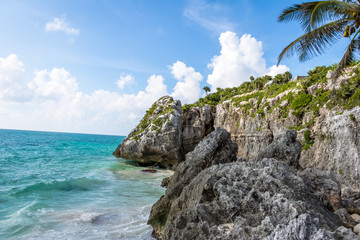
(324, 23)
(206, 89)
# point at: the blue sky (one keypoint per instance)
(96, 66)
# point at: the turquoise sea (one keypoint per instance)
(70, 186)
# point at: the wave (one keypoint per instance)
(74, 184)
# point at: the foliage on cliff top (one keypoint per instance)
(287, 97)
(156, 116)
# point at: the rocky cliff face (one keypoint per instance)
(158, 138)
(213, 196)
(166, 133)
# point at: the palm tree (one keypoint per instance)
(324, 23)
(206, 89)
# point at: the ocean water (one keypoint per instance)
(70, 186)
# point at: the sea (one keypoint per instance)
(70, 186)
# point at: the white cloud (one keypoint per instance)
(12, 80)
(187, 89)
(239, 59)
(209, 15)
(54, 102)
(275, 70)
(124, 80)
(60, 25)
(54, 84)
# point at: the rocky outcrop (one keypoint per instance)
(215, 149)
(196, 124)
(213, 196)
(158, 138)
(284, 148)
(166, 134)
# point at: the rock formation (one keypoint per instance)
(213, 196)
(157, 139)
(166, 134)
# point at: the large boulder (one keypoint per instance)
(216, 148)
(212, 196)
(157, 138)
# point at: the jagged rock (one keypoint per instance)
(214, 149)
(196, 124)
(284, 148)
(305, 227)
(347, 192)
(213, 196)
(351, 206)
(345, 217)
(157, 138)
(165, 182)
(324, 186)
(336, 146)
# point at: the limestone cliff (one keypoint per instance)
(324, 110)
(166, 133)
(213, 196)
(157, 139)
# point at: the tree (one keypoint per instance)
(324, 23)
(206, 89)
(251, 78)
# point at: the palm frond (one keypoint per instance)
(314, 14)
(315, 42)
(350, 53)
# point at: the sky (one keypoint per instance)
(96, 66)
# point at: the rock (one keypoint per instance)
(216, 148)
(213, 196)
(196, 124)
(304, 227)
(157, 139)
(165, 182)
(351, 206)
(347, 192)
(324, 186)
(336, 146)
(284, 148)
(356, 217)
(263, 200)
(345, 217)
(357, 229)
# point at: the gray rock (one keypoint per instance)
(216, 148)
(285, 148)
(196, 124)
(351, 206)
(324, 186)
(157, 139)
(345, 217)
(248, 201)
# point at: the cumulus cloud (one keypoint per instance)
(54, 84)
(239, 59)
(275, 70)
(54, 102)
(124, 80)
(12, 79)
(60, 25)
(187, 89)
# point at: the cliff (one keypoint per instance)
(324, 110)
(214, 195)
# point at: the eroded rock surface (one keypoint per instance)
(213, 196)
(157, 140)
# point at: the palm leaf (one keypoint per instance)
(350, 53)
(316, 41)
(314, 14)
